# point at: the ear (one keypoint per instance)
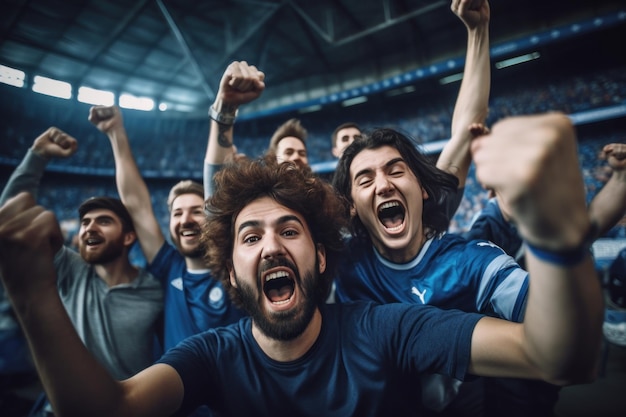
(129, 238)
(425, 195)
(231, 274)
(321, 258)
(352, 210)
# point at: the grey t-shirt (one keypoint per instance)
(117, 324)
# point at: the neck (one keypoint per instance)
(195, 263)
(286, 351)
(405, 253)
(117, 272)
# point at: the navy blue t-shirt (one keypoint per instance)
(366, 361)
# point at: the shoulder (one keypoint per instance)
(166, 258)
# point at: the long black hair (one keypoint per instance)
(438, 184)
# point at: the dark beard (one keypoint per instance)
(111, 252)
(286, 325)
(196, 252)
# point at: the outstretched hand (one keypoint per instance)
(531, 162)
(54, 143)
(30, 236)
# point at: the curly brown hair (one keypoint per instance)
(237, 185)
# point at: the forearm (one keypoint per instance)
(609, 205)
(131, 187)
(220, 141)
(219, 146)
(473, 99)
(74, 381)
(208, 182)
(471, 105)
(26, 176)
(563, 321)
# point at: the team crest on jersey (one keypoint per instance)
(216, 297)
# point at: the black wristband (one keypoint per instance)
(222, 118)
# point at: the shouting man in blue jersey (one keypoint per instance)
(273, 235)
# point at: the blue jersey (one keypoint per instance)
(491, 225)
(450, 272)
(367, 361)
(194, 301)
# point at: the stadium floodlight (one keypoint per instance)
(12, 76)
(97, 97)
(354, 101)
(451, 78)
(399, 91)
(129, 101)
(310, 109)
(52, 87)
(517, 60)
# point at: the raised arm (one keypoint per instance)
(240, 84)
(53, 143)
(75, 383)
(609, 205)
(532, 163)
(131, 187)
(473, 100)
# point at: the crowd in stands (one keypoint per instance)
(168, 148)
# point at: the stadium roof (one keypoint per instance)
(175, 51)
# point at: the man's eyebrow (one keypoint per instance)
(288, 218)
(387, 165)
(281, 220)
(100, 217)
(249, 223)
(194, 207)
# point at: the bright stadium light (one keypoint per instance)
(97, 97)
(51, 87)
(129, 101)
(517, 60)
(451, 78)
(354, 101)
(12, 76)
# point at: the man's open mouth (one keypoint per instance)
(278, 287)
(391, 214)
(190, 233)
(92, 241)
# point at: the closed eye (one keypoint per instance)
(364, 181)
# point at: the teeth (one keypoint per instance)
(189, 233)
(389, 205)
(393, 229)
(275, 275)
(281, 302)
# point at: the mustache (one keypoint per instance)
(268, 264)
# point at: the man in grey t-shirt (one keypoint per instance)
(113, 305)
